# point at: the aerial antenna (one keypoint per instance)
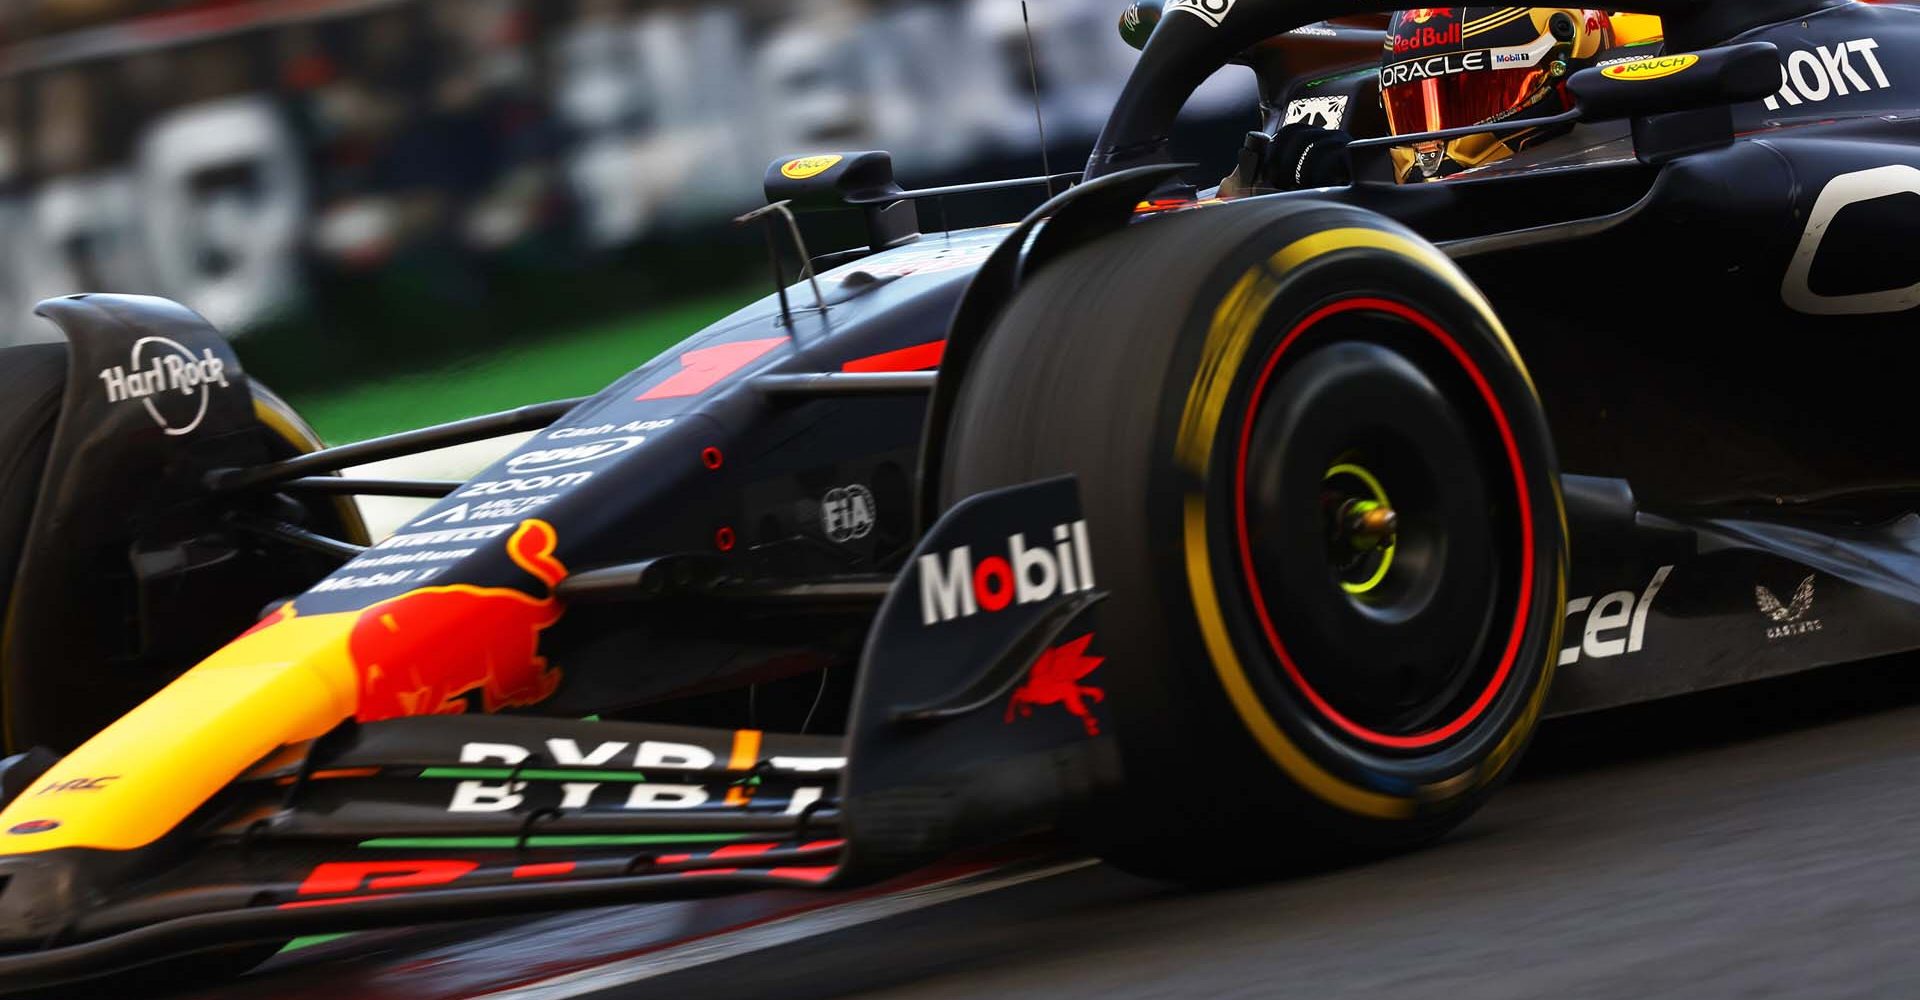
(1033, 74)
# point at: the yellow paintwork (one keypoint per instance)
(1635, 29)
(288, 682)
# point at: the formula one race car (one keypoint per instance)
(1217, 533)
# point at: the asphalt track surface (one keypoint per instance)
(1758, 842)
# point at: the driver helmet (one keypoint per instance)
(1454, 67)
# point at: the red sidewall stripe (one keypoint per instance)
(1518, 633)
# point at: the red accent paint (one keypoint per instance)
(729, 851)
(712, 458)
(672, 859)
(703, 368)
(823, 845)
(813, 874)
(919, 357)
(1055, 680)
(724, 539)
(1485, 698)
(993, 568)
(348, 876)
(740, 850)
(551, 869)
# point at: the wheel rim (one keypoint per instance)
(1408, 628)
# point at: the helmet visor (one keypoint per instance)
(1418, 103)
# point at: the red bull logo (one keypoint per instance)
(422, 652)
(1055, 680)
(1410, 39)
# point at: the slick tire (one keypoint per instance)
(32, 379)
(1323, 497)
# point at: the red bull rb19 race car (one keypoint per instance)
(1219, 531)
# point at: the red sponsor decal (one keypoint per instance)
(919, 357)
(1419, 39)
(704, 368)
(334, 877)
(419, 653)
(1055, 680)
(34, 826)
(333, 883)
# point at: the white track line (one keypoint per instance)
(773, 933)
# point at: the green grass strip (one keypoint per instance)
(536, 774)
(575, 363)
(552, 840)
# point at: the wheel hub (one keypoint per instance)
(1362, 529)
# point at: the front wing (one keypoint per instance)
(431, 818)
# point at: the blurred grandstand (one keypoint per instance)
(402, 170)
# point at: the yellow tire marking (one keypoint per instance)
(1229, 337)
(1233, 677)
(284, 422)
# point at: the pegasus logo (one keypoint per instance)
(1055, 680)
(1790, 619)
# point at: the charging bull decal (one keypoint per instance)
(421, 652)
(1055, 680)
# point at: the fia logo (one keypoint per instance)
(846, 513)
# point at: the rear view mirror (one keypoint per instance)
(1683, 81)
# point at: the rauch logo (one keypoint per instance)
(953, 585)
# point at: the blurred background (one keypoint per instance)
(413, 210)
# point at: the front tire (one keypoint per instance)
(33, 377)
(1323, 494)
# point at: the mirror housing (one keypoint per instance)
(1683, 81)
(829, 181)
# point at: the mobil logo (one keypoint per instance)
(956, 584)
